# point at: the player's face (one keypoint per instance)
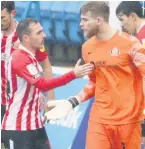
(127, 23)
(37, 36)
(88, 24)
(5, 20)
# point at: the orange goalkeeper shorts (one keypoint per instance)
(104, 136)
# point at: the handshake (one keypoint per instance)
(59, 109)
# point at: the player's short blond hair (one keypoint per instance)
(97, 8)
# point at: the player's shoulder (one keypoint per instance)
(89, 43)
(20, 58)
(126, 38)
(19, 54)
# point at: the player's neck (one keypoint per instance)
(139, 24)
(29, 48)
(105, 33)
(11, 29)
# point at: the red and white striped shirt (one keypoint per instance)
(22, 112)
(23, 106)
(7, 43)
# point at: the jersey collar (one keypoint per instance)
(26, 50)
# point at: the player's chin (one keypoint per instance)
(86, 34)
(4, 28)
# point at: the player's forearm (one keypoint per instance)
(45, 84)
(87, 93)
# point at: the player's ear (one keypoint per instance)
(13, 13)
(99, 20)
(133, 16)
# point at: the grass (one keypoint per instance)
(2, 146)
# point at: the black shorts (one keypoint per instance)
(143, 129)
(33, 139)
(3, 110)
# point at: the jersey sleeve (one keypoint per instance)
(41, 54)
(26, 69)
(137, 53)
(89, 90)
(23, 66)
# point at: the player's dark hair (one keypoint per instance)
(128, 7)
(9, 5)
(23, 27)
(97, 8)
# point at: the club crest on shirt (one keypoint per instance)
(114, 52)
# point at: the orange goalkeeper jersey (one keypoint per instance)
(116, 81)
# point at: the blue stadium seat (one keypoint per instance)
(27, 9)
(73, 20)
(45, 19)
(20, 8)
(58, 20)
(33, 10)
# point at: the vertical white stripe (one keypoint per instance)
(11, 144)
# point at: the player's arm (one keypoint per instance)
(137, 54)
(29, 72)
(62, 107)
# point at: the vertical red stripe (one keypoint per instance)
(30, 110)
(3, 75)
(24, 100)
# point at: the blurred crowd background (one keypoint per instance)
(60, 20)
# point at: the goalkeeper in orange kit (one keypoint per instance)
(116, 83)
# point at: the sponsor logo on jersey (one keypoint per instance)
(32, 69)
(114, 52)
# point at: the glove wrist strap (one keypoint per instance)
(73, 101)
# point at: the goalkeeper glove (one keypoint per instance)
(61, 108)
